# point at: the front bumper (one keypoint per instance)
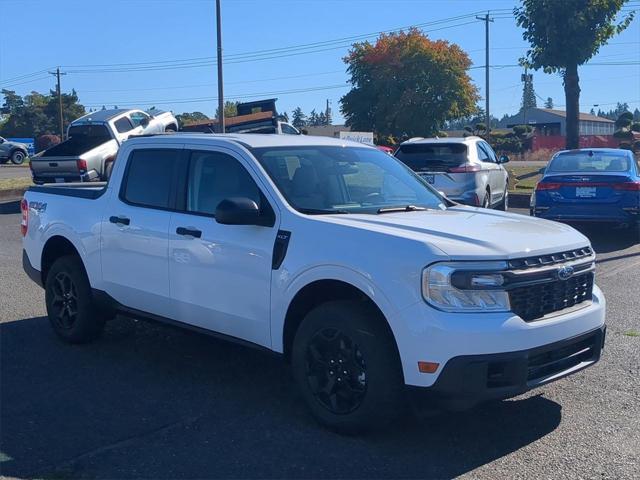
(471, 379)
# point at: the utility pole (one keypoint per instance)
(59, 91)
(486, 19)
(220, 88)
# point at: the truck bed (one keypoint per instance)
(90, 191)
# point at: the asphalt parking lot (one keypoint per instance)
(149, 401)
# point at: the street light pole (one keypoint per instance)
(220, 88)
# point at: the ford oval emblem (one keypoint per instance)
(565, 273)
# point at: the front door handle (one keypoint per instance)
(119, 220)
(189, 232)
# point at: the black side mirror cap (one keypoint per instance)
(241, 211)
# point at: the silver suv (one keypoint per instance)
(466, 170)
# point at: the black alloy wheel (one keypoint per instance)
(64, 303)
(336, 371)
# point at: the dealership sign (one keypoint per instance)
(361, 137)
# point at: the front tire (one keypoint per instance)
(18, 157)
(73, 314)
(347, 367)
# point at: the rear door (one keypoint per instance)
(220, 275)
(495, 173)
(135, 231)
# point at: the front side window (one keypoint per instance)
(138, 117)
(215, 176)
(333, 179)
(149, 177)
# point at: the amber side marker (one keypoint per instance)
(428, 367)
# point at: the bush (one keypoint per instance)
(46, 141)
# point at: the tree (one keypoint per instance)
(283, 117)
(407, 85)
(37, 114)
(299, 118)
(565, 34)
(230, 109)
(528, 95)
(548, 103)
(188, 118)
(313, 119)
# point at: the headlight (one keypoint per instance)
(466, 287)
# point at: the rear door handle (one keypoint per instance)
(119, 220)
(189, 231)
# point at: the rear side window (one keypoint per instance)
(123, 125)
(436, 157)
(149, 176)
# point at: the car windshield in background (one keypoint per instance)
(435, 157)
(328, 179)
(590, 161)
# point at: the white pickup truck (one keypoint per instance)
(376, 288)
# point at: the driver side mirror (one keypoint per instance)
(503, 159)
(241, 211)
(144, 122)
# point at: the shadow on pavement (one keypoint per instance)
(9, 207)
(606, 238)
(149, 401)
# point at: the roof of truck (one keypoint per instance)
(102, 115)
(253, 140)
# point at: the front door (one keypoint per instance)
(220, 275)
(135, 232)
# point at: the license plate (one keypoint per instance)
(59, 180)
(586, 192)
(429, 178)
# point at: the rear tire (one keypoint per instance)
(504, 203)
(73, 314)
(486, 201)
(18, 157)
(347, 367)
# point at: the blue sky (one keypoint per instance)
(125, 52)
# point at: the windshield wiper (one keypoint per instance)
(320, 211)
(401, 208)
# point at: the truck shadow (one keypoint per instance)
(606, 239)
(7, 208)
(149, 401)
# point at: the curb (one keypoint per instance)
(519, 200)
(12, 193)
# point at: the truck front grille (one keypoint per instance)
(535, 301)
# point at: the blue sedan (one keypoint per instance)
(590, 185)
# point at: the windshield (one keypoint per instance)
(435, 157)
(330, 179)
(590, 161)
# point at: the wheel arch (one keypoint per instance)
(54, 248)
(321, 291)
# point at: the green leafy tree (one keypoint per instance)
(299, 118)
(407, 85)
(313, 119)
(37, 114)
(549, 103)
(528, 96)
(230, 109)
(188, 118)
(565, 34)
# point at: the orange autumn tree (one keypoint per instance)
(407, 85)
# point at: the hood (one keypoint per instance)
(467, 232)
